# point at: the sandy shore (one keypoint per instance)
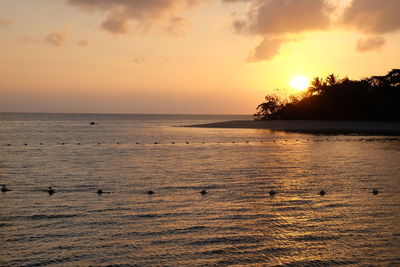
(314, 127)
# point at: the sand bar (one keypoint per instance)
(314, 127)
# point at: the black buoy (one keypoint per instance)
(8, 144)
(375, 191)
(99, 191)
(50, 191)
(40, 143)
(99, 143)
(173, 143)
(322, 193)
(79, 144)
(92, 123)
(63, 143)
(4, 188)
(203, 192)
(150, 192)
(156, 143)
(187, 142)
(25, 144)
(117, 143)
(272, 192)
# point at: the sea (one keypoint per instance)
(235, 222)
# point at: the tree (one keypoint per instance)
(269, 108)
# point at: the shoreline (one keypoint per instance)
(390, 128)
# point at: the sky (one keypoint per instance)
(184, 56)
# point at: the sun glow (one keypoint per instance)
(300, 83)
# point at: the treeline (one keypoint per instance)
(374, 98)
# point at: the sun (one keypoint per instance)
(300, 82)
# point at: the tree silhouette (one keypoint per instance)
(374, 98)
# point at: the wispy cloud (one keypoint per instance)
(176, 26)
(4, 22)
(139, 60)
(56, 38)
(370, 44)
(83, 42)
(142, 12)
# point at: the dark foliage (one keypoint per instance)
(374, 98)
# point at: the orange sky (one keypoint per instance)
(184, 56)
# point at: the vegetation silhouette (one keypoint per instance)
(373, 98)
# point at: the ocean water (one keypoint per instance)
(236, 223)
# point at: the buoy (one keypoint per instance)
(99, 191)
(173, 143)
(50, 191)
(99, 143)
(8, 144)
(155, 143)
(150, 192)
(375, 191)
(25, 144)
(40, 144)
(92, 123)
(79, 144)
(203, 192)
(272, 192)
(187, 142)
(322, 193)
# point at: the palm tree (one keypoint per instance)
(316, 85)
(332, 79)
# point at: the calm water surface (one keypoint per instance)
(236, 223)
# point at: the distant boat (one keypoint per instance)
(4, 188)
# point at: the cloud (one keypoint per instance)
(116, 23)
(373, 16)
(275, 19)
(56, 38)
(176, 26)
(4, 22)
(369, 44)
(284, 16)
(139, 60)
(143, 12)
(267, 49)
(83, 42)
